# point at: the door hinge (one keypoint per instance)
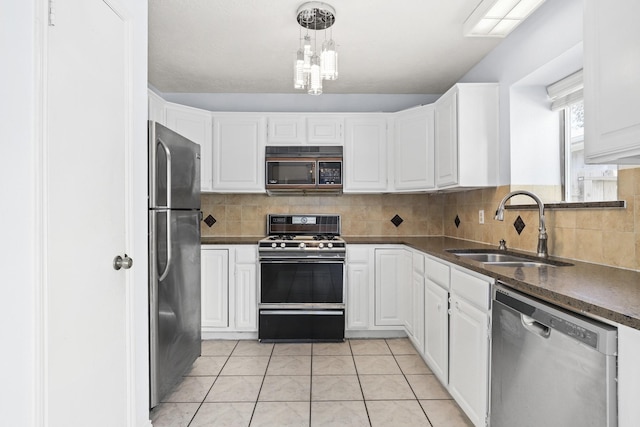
(52, 13)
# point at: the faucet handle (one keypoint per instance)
(503, 245)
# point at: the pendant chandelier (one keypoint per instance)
(311, 67)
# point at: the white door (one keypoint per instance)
(88, 147)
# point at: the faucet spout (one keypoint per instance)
(542, 229)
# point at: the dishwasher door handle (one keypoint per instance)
(534, 326)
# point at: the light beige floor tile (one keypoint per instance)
(396, 413)
(236, 414)
(333, 365)
(207, 366)
(332, 349)
(286, 388)
(281, 414)
(369, 347)
(295, 349)
(339, 414)
(218, 347)
(245, 365)
(252, 348)
(412, 364)
(366, 365)
(190, 389)
(289, 365)
(240, 388)
(427, 387)
(335, 387)
(445, 413)
(401, 346)
(173, 414)
(385, 387)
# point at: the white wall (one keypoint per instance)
(18, 232)
(551, 31)
(282, 102)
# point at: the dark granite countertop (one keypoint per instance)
(607, 292)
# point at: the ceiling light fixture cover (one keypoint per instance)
(497, 18)
(310, 66)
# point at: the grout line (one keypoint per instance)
(255, 405)
(364, 399)
(212, 384)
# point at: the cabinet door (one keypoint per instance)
(324, 131)
(446, 140)
(286, 130)
(436, 330)
(195, 125)
(611, 83)
(357, 301)
(215, 288)
(413, 149)
(365, 155)
(469, 359)
(246, 297)
(238, 148)
(393, 269)
(417, 303)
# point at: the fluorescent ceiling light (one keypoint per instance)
(497, 18)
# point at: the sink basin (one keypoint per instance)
(500, 258)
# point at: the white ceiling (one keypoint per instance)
(248, 46)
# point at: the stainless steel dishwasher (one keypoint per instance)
(550, 367)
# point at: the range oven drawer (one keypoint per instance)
(301, 325)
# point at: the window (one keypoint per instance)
(582, 182)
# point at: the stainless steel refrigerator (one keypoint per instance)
(174, 258)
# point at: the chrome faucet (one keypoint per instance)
(542, 230)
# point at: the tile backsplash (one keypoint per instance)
(602, 236)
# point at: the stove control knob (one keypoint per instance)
(321, 245)
(274, 245)
(329, 245)
(282, 245)
(302, 245)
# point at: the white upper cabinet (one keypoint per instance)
(286, 130)
(466, 136)
(325, 130)
(195, 125)
(612, 81)
(365, 155)
(413, 149)
(238, 153)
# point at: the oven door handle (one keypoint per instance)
(302, 261)
(311, 312)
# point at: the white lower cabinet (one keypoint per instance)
(436, 320)
(229, 289)
(215, 288)
(393, 269)
(469, 334)
(358, 289)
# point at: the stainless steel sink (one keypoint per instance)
(500, 258)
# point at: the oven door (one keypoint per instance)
(301, 281)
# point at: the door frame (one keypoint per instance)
(134, 12)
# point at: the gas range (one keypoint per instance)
(302, 235)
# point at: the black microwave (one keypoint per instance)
(303, 168)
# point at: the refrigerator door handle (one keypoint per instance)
(169, 171)
(164, 273)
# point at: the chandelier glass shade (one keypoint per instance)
(311, 66)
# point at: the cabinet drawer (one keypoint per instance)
(246, 254)
(437, 272)
(475, 290)
(358, 254)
